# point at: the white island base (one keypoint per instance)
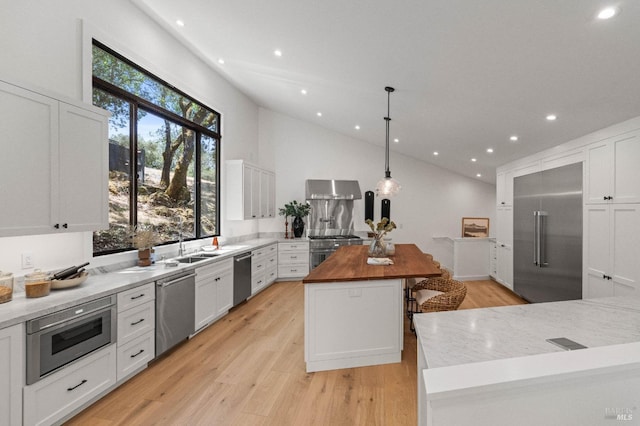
(353, 324)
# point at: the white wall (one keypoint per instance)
(44, 43)
(432, 201)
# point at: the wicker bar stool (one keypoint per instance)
(409, 283)
(438, 294)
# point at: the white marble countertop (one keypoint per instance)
(477, 335)
(99, 284)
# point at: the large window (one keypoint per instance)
(164, 152)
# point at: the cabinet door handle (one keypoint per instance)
(137, 297)
(57, 226)
(137, 322)
(139, 353)
(77, 386)
(65, 226)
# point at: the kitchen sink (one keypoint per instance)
(191, 259)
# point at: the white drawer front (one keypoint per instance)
(271, 261)
(258, 267)
(55, 396)
(135, 354)
(271, 275)
(299, 245)
(257, 282)
(286, 271)
(135, 322)
(293, 257)
(217, 268)
(135, 296)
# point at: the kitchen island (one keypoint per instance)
(354, 311)
(494, 366)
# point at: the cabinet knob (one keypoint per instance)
(65, 226)
(57, 226)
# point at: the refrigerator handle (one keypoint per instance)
(536, 253)
(542, 255)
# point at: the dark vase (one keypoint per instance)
(298, 227)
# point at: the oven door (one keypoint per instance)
(317, 256)
(60, 344)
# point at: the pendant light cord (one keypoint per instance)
(387, 172)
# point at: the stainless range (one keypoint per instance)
(331, 217)
(322, 246)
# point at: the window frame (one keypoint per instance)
(136, 103)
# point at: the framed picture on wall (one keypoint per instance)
(475, 227)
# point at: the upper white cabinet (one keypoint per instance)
(504, 189)
(55, 178)
(612, 170)
(250, 191)
(612, 250)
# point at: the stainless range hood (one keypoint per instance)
(319, 189)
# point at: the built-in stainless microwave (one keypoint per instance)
(57, 339)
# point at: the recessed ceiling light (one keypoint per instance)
(478, 175)
(607, 13)
(357, 127)
(277, 52)
(303, 91)
(396, 140)
(474, 160)
(180, 23)
(551, 117)
(435, 153)
(221, 61)
(489, 150)
(319, 114)
(513, 138)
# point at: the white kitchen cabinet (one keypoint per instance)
(611, 250)
(612, 170)
(58, 395)
(263, 262)
(293, 259)
(250, 191)
(136, 330)
(504, 189)
(504, 246)
(493, 259)
(214, 292)
(12, 369)
(59, 165)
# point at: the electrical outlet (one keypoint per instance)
(27, 260)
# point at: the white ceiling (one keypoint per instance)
(468, 74)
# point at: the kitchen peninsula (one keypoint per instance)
(353, 310)
(496, 366)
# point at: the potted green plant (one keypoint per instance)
(297, 211)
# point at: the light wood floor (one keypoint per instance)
(248, 369)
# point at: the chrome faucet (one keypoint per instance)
(180, 242)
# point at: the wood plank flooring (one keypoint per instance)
(248, 369)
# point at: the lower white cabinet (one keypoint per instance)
(214, 292)
(136, 330)
(264, 262)
(293, 259)
(504, 265)
(611, 250)
(11, 374)
(56, 396)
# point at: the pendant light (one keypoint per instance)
(387, 186)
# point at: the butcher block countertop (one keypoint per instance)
(349, 263)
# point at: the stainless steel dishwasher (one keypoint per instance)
(241, 277)
(175, 310)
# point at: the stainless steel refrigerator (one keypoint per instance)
(547, 234)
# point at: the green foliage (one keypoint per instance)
(295, 209)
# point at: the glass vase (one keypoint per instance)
(377, 248)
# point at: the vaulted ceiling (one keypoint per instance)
(468, 74)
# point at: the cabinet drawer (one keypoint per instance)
(257, 282)
(271, 275)
(135, 354)
(293, 257)
(57, 395)
(258, 266)
(135, 322)
(271, 261)
(293, 270)
(135, 296)
(217, 268)
(299, 245)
